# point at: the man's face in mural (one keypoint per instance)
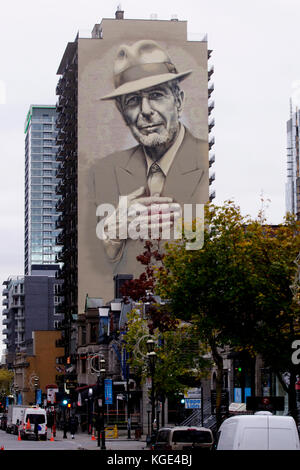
(153, 114)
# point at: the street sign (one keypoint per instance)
(39, 396)
(70, 385)
(224, 401)
(193, 393)
(51, 394)
(194, 403)
(108, 391)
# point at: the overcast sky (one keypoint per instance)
(256, 51)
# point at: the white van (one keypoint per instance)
(261, 431)
(33, 415)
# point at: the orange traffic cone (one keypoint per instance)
(19, 436)
(2, 448)
(52, 438)
(28, 426)
(93, 435)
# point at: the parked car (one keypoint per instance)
(183, 437)
(261, 431)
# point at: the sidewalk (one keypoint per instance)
(83, 441)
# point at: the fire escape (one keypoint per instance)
(67, 189)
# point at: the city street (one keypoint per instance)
(80, 442)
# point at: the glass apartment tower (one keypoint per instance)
(40, 184)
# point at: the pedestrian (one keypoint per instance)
(73, 425)
(36, 430)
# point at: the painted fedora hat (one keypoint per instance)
(142, 65)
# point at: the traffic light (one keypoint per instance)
(66, 401)
(63, 399)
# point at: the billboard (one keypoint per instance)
(142, 144)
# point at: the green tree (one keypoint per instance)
(6, 379)
(236, 289)
(180, 362)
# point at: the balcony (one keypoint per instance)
(211, 89)
(211, 142)
(210, 72)
(211, 106)
(17, 293)
(60, 205)
(20, 316)
(212, 178)
(5, 302)
(211, 124)
(5, 311)
(60, 239)
(5, 291)
(212, 160)
(59, 258)
(212, 195)
(59, 223)
(60, 188)
(17, 305)
(20, 329)
(6, 321)
(6, 331)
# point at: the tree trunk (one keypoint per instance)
(219, 383)
(291, 391)
(292, 397)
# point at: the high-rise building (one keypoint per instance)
(90, 129)
(40, 183)
(292, 187)
(30, 304)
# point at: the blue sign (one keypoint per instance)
(39, 397)
(238, 395)
(19, 399)
(108, 392)
(247, 393)
(193, 403)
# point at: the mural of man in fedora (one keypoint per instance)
(168, 166)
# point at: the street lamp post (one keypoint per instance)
(101, 428)
(36, 385)
(151, 355)
(16, 389)
(149, 408)
(128, 404)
